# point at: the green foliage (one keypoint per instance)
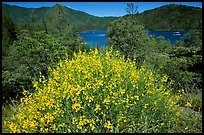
(28, 56)
(129, 37)
(183, 63)
(8, 33)
(57, 23)
(194, 38)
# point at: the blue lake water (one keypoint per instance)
(94, 37)
(172, 36)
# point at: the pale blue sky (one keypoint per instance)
(103, 8)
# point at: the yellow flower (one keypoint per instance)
(76, 107)
(13, 127)
(73, 120)
(182, 91)
(145, 106)
(122, 91)
(20, 116)
(165, 78)
(137, 97)
(96, 51)
(46, 130)
(100, 83)
(188, 104)
(69, 131)
(108, 125)
(32, 125)
(92, 126)
(107, 100)
(5, 123)
(162, 124)
(97, 108)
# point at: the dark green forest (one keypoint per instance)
(35, 38)
(80, 21)
(171, 17)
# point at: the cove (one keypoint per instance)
(93, 38)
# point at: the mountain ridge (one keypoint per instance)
(172, 17)
(167, 17)
(80, 19)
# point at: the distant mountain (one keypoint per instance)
(80, 20)
(172, 17)
(168, 17)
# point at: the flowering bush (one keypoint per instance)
(97, 92)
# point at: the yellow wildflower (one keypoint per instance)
(137, 97)
(92, 126)
(97, 108)
(162, 124)
(107, 100)
(108, 125)
(145, 106)
(76, 107)
(188, 104)
(165, 78)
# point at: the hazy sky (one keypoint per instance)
(103, 8)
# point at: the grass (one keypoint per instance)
(6, 114)
(190, 122)
(195, 98)
(8, 109)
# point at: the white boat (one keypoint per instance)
(177, 34)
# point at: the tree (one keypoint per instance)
(131, 9)
(45, 23)
(9, 32)
(29, 55)
(33, 20)
(129, 37)
(63, 25)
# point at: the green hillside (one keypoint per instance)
(80, 20)
(172, 17)
(168, 17)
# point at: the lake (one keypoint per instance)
(94, 37)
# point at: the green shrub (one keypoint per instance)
(29, 55)
(97, 92)
(129, 37)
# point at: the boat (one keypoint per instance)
(178, 34)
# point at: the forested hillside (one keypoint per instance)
(168, 17)
(172, 17)
(80, 20)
